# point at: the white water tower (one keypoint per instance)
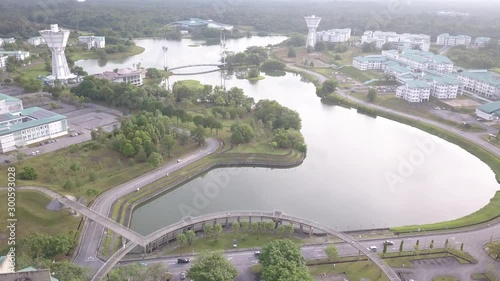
(56, 40)
(312, 24)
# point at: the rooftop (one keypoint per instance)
(371, 58)
(482, 75)
(8, 98)
(36, 116)
(492, 107)
(417, 84)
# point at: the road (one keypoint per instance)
(473, 243)
(92, 232)
(473, 137)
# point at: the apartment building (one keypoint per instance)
(334, 35)
(19, 55)
(414, 91)
(369, 62)
(482, 82)
(36, 41)
(480, 42)
(3, 61)
(7, 41)
(489, 111)
(397, 41)
(125, 75)
(449, 40)
(98, 42)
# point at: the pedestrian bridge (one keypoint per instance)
(169, 233)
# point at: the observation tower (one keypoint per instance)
(312, 24)
(56, 40)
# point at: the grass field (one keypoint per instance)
(444, 278)
(244, 240)
(34, 217)
(35, 71)
(361, 76)
(84, 55)
(353, 270)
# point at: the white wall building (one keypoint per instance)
(449, 40)
(98, 42)
(481, 81)
(489, 111)
(125, 75)
(334, 35)
(480, 42)
(369, 62)
(7, 41)
(414, 91)
(397, 41)
(445, 87)
(3, 61)
(35, 41)
(19, 55)
(20, 127)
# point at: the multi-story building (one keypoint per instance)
(98, 42)
(480, 42)
(334, 35)
(35, 41)
(19, 55)
(3, 61)
(20, 127)
(397, 41)
(125, 75)
(449, 40)
(481, 81)
(7, 41)
(421, 60)
(369, 62)
(444, 87)
(489, 111)
(414, 91)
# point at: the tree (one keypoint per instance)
(141, 156)
(273, 65)
(157, 271)
(132, 272)
(387, 46)
(372, 95)
(241, 133)
(331, 252)
(212, 267)
(282, 260)
(291, 52)
(401, 246)
(208, 229)
(253, 73)
(462, 247)
(198, 134)
(446, 244)
(320, 46)
(328, 87)
(191, 236)
(494, 249)
(217, 231)
(167, 143)
(296, 40)
(385, 249)
(29, 173)
(431, 246)
(235, 226)
(155, 159)
(91, 193)
(128, 150)
(78, 70)
(65, 270)
(182, 238)
(368, 47)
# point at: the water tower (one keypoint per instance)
(57, 39)
(312, 24)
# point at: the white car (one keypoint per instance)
(179, 160)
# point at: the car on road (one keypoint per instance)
(33, 153)
(143, 264)
(373, 248)
(179, 160)
(389, 242)
(183, 275)
(235, 243)
(183, 260)
(256, 253)
(7, 161)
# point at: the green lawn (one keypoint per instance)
(353, 270)
(496, 69)
(244, 240)
(361, 76)
(35, 71)
(84, 55)
(34, 217)
(484, 276)
(445, 278)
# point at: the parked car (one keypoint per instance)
(235, 243)
(179, 160)
(256, 253)
(373, 248)
(183, 275)
(184, 260)
(388, 242)
(7, 161)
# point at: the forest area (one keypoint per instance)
(130, 18)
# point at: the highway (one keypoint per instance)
(92, 232)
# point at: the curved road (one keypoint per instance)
(473, 137)
(92, 232)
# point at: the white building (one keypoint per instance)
(489, 111)
(444, 87)
(125, 75)
(421, 60)
(369, 62)
(414, 91)
(449, 40)
(212, 24)
(98, 42)
(397, 41)
(334, 35)
(20, 127)
(480, 42)
(56, 40)
(35, 41)
(19, 55)
(481, 81)
(3, 61)
(7, 41)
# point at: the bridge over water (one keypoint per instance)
(219, 66)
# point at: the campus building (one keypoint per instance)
(20, 127)
(482, 82)
(449, 40)
(19, 55)
(397, 41)
(414, 91)
(26, 274)
(35, 41)
(369, 62)
(193, 23)
(98, 42)
(7, 41)
(480, 42)
(334, 35)
(489, 111)
(125, 75)
(3, 61)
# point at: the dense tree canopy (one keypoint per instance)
(280, 116)
(212, 267)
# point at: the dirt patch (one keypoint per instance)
(461, 103)
(331, 277)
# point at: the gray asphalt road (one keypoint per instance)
(92, 232)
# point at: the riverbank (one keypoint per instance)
(122, 209)
(488, 213)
